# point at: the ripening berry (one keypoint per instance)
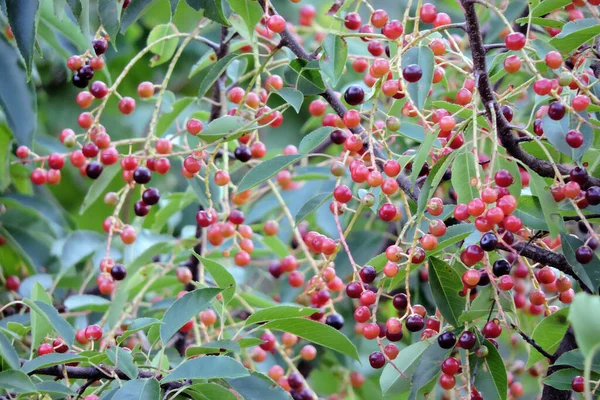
(428, 13)
(145, 90)
(515, 41)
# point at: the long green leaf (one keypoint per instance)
(445, 286)
(266, 170)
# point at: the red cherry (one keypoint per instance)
(515, 41)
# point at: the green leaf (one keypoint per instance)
(257, 386)
(79, 245)
(210, 391)
(65, 26)
(137, 325)
(334, 58)
(547, 6)
(305, 77)
(48, 360)
(584, 315)
(563, 378)
(315, 332)
(491, 379)
(164, 50)
(123, 360)
(225, 127)
(279, 312)
(314, 139)
(312, 205)
(548, 333)
(217, 346)
(590, 273)
(390, 381)
(139, 389)
(576, 359)
(549, 23)
(49, 313)
(425, 374)
(22, 18)
(423, 57)
(222, 277)
(216, 71)
(17, 382)
(530, 212)
(539, 188)
(574, 34)
(422, 155)
(274, 243)
(481, 306)
(445, 286)
(110, 17)
(250, 11)
(199, 189)
(40, 327)
(54, 388)
(266, 170)
(5, 147)
(291, 96)
(184, 308)
(86, 302)
(17, 96)
(556, 132)
(464, 178)
(8, 353)
(213, 9)
(134, 11)
(208, 59)
(175, 202)
(433, 180)
(98, 187)
(207, 367)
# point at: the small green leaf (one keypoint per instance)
(8, 353)
(422, 155)
(491, 379)
(548, 333)
(216, 71)
(139, 389)
(305, 77)
(562, 379)
(433, 180)
(17, 382)
(539, 188)
(575, 359)
(279, 312)
(54, 388)
(315, 332)
(87, 302)
(49, 313)
(184, 308)
(464, 180)
(65, 26)
(5, 147)
(40, 327)
(225, 127)
(49, 360)
(391, 381)
(213, 9)
(79, 245)
(266, 170)
(207, 367)
(311, 206)
(134, 11)
(137, 325)
(548, 23)
(250, 11)
(425, 374)
(258, 387)
(530, 212)
(222, 277)
(584, 315)
(211, 391)
(453, 235)
(17, 95)
(164, 50)
(291, 96)
(547, 6)
(423, 57)
(208, 59)
(275, 244)
(314, 139)
(22, 18)
(445, 286)
(167, 119)
(334, 58)
(574, 34)
(218, 346)
(98, 187)
(123, 360)
(483, 303)
(110, 18)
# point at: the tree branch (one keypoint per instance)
(534, 344)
